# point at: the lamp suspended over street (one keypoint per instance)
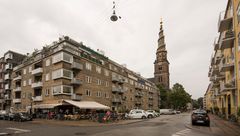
(114, 17)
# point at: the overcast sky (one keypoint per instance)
(190, 28)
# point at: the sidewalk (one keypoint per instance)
(85, 123)
(226, 126)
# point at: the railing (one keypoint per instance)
(37, 71)
(37, 84)
(76, 81)
(37, 98)
(76, 65)
(17, 100)
(76, 97)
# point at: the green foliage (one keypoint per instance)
(179, 97)
(195, 104)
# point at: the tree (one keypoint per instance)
(164, 95)
(200, 102)
(179, 97)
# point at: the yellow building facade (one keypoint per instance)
(223, 93)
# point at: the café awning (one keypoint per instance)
(46, 106)
(87, 105)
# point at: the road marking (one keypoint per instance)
(18, 130)
(182, 132)
(2, 134)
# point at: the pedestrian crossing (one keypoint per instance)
(11, 130)
(182, 132)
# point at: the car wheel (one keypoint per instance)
(143, 117)
(208, 124)
(193, 123)
(150, 116)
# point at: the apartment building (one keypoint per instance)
(68, 70)
(7, 62)
(224, 69)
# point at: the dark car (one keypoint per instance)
(22, 117)
(200, 117)
(8, 116)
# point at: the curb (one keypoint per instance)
(94, 125)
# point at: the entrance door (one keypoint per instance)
(229, 105)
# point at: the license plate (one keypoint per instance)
(200, 121)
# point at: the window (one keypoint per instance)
(106, 72)
(24, 71)
(107, 83)
(47, 77)
(24, 83)
(47, 62)
(99, 94)
(30, 69)
(62, 73)
(88, 79)
(98, 69)
(62, 89)
(88, 66)
(47, 92)
(29, 81)
(62, 56)
(88, 92)
(98, 82)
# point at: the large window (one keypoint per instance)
(62, 56)
(62, 89)
(62, 73)
(88, 92)
(88, 79)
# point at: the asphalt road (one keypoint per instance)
(166, 125)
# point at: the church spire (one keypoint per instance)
(161, 39)
(161, 64)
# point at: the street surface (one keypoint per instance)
(165, 125)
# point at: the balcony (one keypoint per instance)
(2, 91)
(227, 86)
(115, 89)
(7, 77)
(138, 94)
(17, 89)
(216, 44)
(76, 81)
(77, 66)
(37, 84)
(37, 99)
(225, 23)
(138, 87)
(18, 78)
(37, 71)
(1, 80)
(8, 56)
(7, 87)
(7, 97)
(138, 102)
(226, 65)
(8, 66)
(150, 97)
(76, 97)
(17, 100)
(117, 100)
(115, 79)
(227, 41)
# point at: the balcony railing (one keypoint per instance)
(8, 66)
(76, 81)
(77, 66)
(226, 65)
(37, 98)
(138, 94)
(17, 89)
(17, 100)
(225, 22)
(76, 97)
(37, 84)
(227, 86)
(37, 71)
(7, 77)
(117, 100)
(17, 78)
(227, 40)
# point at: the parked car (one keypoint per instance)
(22, 117)
(200, 117)
(167, 112)
(2, 114)
(137, 114)
(178, 111)
(152, 112)
(8, 116)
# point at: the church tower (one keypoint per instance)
(161, 64)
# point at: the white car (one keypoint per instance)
(137, 114)
(151, 113)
